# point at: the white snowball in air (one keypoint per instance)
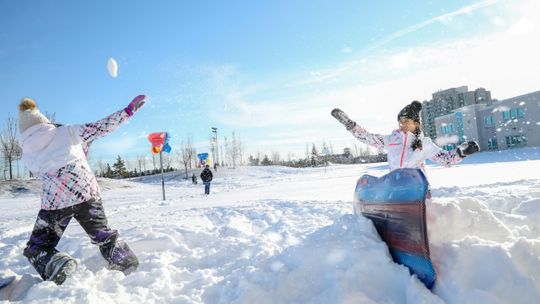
(112, 66)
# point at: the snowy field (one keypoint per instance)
(283, 235)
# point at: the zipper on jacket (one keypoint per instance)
(403, 150)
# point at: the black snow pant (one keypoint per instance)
(51, 224)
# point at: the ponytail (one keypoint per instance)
(417, 143)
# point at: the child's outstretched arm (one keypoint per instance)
(92, 131)
(370, 139)
(374, 140)
(449, 158)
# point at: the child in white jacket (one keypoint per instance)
(407, 147)
(57, 154)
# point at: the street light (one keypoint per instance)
(216, 157)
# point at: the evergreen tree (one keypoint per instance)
(253, 161)
(108, 172)
(314, 156)
(120, 168)
(266, 161)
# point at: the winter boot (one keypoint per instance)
(59, 267)
(120, 257)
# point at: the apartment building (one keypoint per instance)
(445, 101)
(495, 125)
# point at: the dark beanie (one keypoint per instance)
(411, 111)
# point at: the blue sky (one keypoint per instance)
(271, 71)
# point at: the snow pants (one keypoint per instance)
(51, 224)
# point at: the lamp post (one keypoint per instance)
(216, 157)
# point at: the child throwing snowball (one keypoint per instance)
(57, 155)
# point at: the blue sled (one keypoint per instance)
(395, 203)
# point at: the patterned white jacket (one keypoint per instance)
(58, 156)
(400, 151)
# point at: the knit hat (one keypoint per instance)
(411, 111)
(29, 115)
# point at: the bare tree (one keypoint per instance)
(154, 163)
(290, 156)
(101, 166)
(167, 161)
(186, 153)
(275, 157)
(234, 149)
(3, 169)
(226, 144)
(356, 150)
(17, 157)
(141, 161)
(8, 143)
(241, 151)
(130, 164)
(51, 116)
(193, 159)
(177, 154)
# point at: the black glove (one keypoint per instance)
(343, 119)
(467, 148)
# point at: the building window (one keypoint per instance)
(459, 121)
(516, 141)
(506, 115)
(489, 121)
(449, 147)
(513, 114)
(492, 144)
(520, 113)
(448, 128)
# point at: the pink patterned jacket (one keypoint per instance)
(400, 152)
(58, 156)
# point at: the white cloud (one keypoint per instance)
(346, 50)
(445, 18)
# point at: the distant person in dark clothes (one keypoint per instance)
(194, 179)
(206, 176)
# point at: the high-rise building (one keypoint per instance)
(497, 125)
(445, 101)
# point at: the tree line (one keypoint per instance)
(317, 157)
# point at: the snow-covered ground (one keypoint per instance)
(283, 235)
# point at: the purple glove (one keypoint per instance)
(135, 104)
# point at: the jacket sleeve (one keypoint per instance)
(92, 131)
(370, 139)
(441, 156)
